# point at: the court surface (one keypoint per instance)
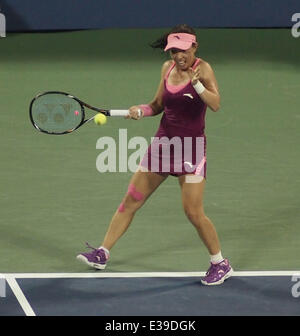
(147, 294)
(53, 199)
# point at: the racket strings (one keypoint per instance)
(56, 113)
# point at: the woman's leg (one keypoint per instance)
(141, 186)
(192, 199)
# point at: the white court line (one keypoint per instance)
(99, 274)
(19, 295)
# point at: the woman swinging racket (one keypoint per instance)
(187, 86)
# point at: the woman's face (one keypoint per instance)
(184, 59)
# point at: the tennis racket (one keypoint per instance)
(57, 113)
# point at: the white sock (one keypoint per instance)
(216, 258)
(105, 250)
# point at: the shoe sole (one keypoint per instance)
(226, 276)
(91, 264)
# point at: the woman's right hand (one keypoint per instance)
(135, 112)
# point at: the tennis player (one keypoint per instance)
(187, 86)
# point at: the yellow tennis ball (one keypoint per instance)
(100, 119)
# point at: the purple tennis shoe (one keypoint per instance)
(217, 273)
(96, 258)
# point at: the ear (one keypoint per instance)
(195, 45)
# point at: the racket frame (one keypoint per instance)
(82, 105)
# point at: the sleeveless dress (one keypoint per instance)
(179, 145)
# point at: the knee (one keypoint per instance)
(132, 201)
(195, 214)
(130, 204)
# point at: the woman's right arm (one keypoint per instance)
(156, 105)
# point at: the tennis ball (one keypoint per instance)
(100, 119)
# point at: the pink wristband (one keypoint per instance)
(148, 112)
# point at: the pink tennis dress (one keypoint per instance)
(179, 145)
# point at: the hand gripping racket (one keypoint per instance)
(57, 113)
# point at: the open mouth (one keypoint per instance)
(182, 63)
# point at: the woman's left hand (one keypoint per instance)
(194, 75)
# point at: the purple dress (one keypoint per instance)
(179, 145)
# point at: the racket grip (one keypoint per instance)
(121, 113)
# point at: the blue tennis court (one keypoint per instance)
(151, 294)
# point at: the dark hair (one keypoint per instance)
(163, 40)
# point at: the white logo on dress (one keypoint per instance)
(188, 163)
(188, 95)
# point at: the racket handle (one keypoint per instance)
(121, 113)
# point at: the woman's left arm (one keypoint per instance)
(204, 79)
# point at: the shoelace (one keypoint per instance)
(212, 269)
(95, 250)
(91, 247)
